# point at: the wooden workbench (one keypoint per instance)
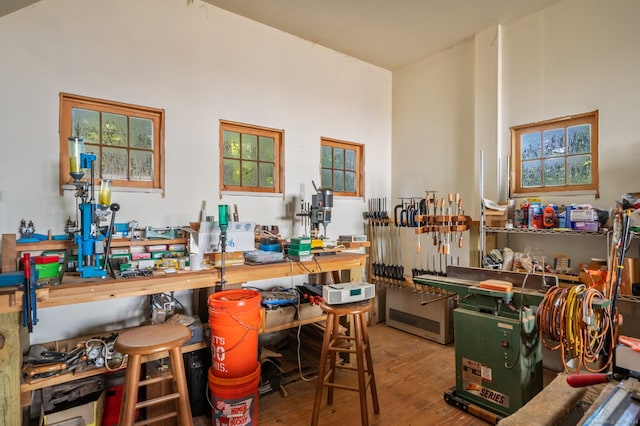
(75, 291)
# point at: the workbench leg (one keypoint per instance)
(10, 359)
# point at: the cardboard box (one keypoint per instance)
(90, 413)
(495, 217)
(583, 215)
(278, 316)
(585, 226)
(308, 310)
(240, 237)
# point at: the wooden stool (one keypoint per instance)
(330, 350)
(149, 340)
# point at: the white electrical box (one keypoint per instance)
(336, 294)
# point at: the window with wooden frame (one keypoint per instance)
(127, 140)
(251, 158)
(342, 166)
(558, 155)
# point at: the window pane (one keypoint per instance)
(141, 133)
(141, 166)
(249, 147)
(349, 159)
(554, 173)
(266, 148)
(327, 157)
(338, 180)
(531, 173)
(115, 163)
(338, 158)
(554, 143)
(531, 147)
(579, 170)
(267, 175)
(579, 139)
(249, 173)
(231, 146)
(231, 172)
(85, 123)
(349, 182)
(326, 181)
(114, 129)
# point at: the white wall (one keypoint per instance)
(433, 134)
(573, 57)
(200, 64)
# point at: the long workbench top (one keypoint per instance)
(73, 290)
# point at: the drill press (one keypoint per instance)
(319, 211)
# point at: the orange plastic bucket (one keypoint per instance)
(234, 402)
(234, 319)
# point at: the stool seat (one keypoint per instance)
(149, 340)
(331, 347)
(354, 308)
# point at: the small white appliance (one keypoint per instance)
(336, 294)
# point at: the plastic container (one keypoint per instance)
(234, 401)
(234, 319)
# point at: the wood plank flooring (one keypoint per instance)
(411, 376)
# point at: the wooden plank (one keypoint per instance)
(68, 244)
(9, 254)
(10, 360)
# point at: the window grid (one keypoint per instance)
(126, 139)
(341, 167)
(558, 155)
(250, 158)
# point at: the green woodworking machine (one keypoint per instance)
(497, 345)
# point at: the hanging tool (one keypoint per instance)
(460, 212)
(29, 301)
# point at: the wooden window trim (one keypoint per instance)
(69, 101)
(359, 148)
(515, 180)
(278, 155)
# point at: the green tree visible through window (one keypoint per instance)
(250, 157)
(341, 167)
(127, 140)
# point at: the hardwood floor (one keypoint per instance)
(411, 375)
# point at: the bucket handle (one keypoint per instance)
(247, 328)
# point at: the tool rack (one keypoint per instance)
(15, 394)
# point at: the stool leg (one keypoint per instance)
(180, 383)
(321, 369)
(360, 367)
(372, 377)
(333, 356)
(130, 391)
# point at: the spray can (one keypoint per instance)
(525, 213)
(535, 216)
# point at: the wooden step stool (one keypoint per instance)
(150, 340)
(331, 348)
